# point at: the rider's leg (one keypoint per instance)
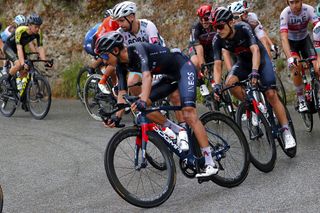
(237, 92)
(175, 100)
(134, 78)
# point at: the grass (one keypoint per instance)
(66, 86)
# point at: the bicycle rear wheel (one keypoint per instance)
(307, 118)
(260, 139)
(145, 187)
(293, 151)
(39, 97)
(8, 103)
(228, 142)
(94, 99)
(281, 91)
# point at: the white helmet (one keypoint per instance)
(123, 9)
(20, 20)
(236, 7)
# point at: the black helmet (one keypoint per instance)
(108, 41)
(34, 19)
(221, 15)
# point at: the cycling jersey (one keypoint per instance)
(107, 25)
(6, 33)
(89, 40)
(20, 36)
(256, 25)
(240, 46)
(297, 25)
(201, 36)
(316, 37)
(159, 60)
(148, 32)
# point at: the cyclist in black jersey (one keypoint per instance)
(252, 61)
(152, 59)
(201, 36)
(14, 46)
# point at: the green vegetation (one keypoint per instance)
(66, 87)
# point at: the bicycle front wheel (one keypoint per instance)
(39, 97)
(8, 104)
(229, 148)
(94, 99)
(145, 187)
(260, 139)
(1, 199)
(281, 91)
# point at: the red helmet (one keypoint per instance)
(203, 10)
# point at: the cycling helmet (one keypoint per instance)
(318, 10)
(88, 42)
(108, 41)
(107, 13)
(221, 15)
(236, 7)
(34, 19)
(123, 9)
(20, 20)
(245, 4)
(203, 10)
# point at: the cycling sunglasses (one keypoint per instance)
(206, 17)
(219, 26)
(104, 56)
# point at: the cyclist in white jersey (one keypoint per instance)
(296, 42)
(316, 35)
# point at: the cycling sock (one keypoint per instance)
(206, 152)
(173, 126)
(299, 90)
(286, 126)
(103, 80)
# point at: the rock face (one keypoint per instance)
(67, 21)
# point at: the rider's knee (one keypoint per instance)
(190, 115)
(175, 98)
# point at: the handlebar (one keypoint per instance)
(307, 60)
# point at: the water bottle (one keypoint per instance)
(262, 108)
(204, 90)
(254, 119)
(19, 83)
(182, 140)
(24, 82)
(169, 133)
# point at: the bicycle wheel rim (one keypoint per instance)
(307, 118)
(39, 97)
(146, 188)
(7, 104)
(81, 80)
(235, 164)
(262, 148)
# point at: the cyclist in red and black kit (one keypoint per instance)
(201, 37)
(252, 61)
(150, 59)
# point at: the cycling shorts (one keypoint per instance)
(303, 48)
(208, 55)
(162, 88)
(9, 53)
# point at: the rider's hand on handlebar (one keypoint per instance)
(217, 91)
(292, 62)
(139, 104)
(254, 77)
(48, 64)
(25, 66)
(114, 121)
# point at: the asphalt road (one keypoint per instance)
(56, 165)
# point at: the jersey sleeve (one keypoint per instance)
(259, 31)
(152, 31)
(122, 77)
(140, 51)
(284, 21)
(194, 35)
(217, 48)
(249, 33)
(312, 15)
(316, 37)
(18, 35)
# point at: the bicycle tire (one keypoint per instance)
(307, 118)
(38, 91)
(125, 190)
(293, 151)
(264, 164)
(94, 98)
(221, 122)
(8, 105)
(281, 91)
(1, 199)
(81, 79)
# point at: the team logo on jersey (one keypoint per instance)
(138, 39)
(154, 40)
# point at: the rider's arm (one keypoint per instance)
(200, 54)
(217, 71)
(20, 54)
(42, 53)
(265, 43)
(255, 56)
(146, 85)
(217, 57)
(285, 44)
(121, 101)
(227, 59)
